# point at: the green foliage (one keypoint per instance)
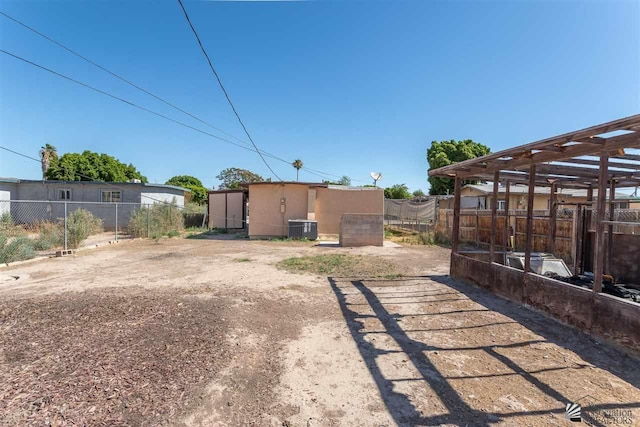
(163, 219)
(231, 178)
(198, 193)
(444, 153)
(81, 224)
(341, 265)
(47, 153)
(193, 208)
(8, 228)
(398, 191)
(15, 249)
(90, 166)
(51, 235)
(345, 180)
(418, 193)
(297, 164)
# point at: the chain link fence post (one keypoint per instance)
(148, 221)
(116, 222)
(65, 226)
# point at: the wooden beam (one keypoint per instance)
(612, 198)
(581, 172)
(628, 156)
(494, 212)
(455, 232)
(598, 253)
(551, 243)
(507, 235)
(578, 235)
(612, 164)
(630, 140)
(529, 232)
(592, 140)
(556, 148)
(586, 237)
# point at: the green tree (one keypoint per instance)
(47, 154)
(198, 191)
(231, 178)
(345, 180)
(298, 165)
(397, 191)
(90, 166)
(445, 153)
(418, 193)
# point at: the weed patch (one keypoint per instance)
(341, 265)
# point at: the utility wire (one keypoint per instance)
(244, 147)
(123, 100)
(118, 76)
(195, 33)
(125, 80)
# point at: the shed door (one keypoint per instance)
(235, 210)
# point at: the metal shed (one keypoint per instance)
(227, 209)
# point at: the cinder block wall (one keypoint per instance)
(332, 203)
(362, 230)
(604, 316)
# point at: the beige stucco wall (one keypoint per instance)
(327, 207)
(265, 218)
(332, 203)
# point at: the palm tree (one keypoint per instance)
(298, 165)
(47, 153)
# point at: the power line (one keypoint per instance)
(134, 85)
(123, 100)
(143, 108)
(118, 76)
(195, 33)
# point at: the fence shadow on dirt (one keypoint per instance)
(458, 411)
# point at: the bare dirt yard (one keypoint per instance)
(208, 332)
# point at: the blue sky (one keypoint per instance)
(349, 87)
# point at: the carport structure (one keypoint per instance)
(600, 157)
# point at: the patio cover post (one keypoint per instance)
(529, 232)
(612, 198)
(507, 224)
(586, 224)
(598, 253)
(551, 244)
(494, 212)
(455, 232)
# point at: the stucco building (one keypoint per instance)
(273, 204)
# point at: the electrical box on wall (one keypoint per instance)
(283, 205)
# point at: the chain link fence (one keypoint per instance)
(34, 228)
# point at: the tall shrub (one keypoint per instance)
(163, 219)
(81, 224)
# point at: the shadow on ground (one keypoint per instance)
(218, 235)
(377, 302)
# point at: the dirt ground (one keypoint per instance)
(199, 332)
